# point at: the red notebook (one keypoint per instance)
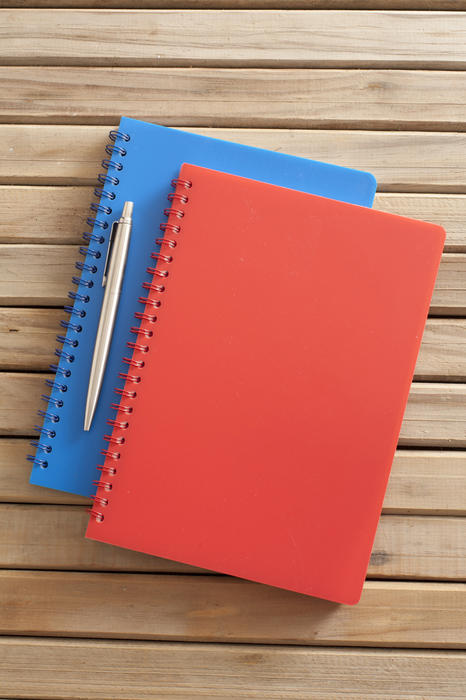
(267, 386)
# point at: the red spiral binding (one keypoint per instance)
(120, 424)
(105, 485)
(153, 286)
(156, 303)
(110, 454)
(132, 362)
(170, 242)
(184, 199)
(162, 258)
(133, 378)
(142, 331)
(114, 440)
(99, 517)
(123, 409)
(142, 316)
(124, 392)
(100, 500)
(156, 272)
(107, 469)
(179, 213)
(174, 228)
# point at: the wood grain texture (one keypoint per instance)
(456, 5)
(380, 91)
(27, 342)
(60, 213)
(291, 98)
(443, 351)
(435, 414)
(406, 547)
(448, 298)
(236, 38)
(27, 337)
(429, 482)
(448, 211)
(401, 161)
(214, 609)
(15, 472)
(37, 275)
(53, 669)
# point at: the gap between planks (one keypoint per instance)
(406, 5)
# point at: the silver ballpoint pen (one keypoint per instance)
(114, 269)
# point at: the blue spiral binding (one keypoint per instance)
(51, 416)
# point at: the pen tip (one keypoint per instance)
(127, 210)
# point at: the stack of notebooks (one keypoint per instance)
(249, 414)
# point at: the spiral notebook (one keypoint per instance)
(142, 158)
(258, 425)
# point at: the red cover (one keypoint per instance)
(273, 389)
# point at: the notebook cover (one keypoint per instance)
(154, 155)
(265, 418)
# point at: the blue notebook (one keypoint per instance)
(142, 160)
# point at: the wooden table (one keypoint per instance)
(375, 84)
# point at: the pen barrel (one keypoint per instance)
(108, 315)
(118, 260)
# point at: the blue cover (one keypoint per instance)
(67, 457)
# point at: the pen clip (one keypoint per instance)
(109, 248)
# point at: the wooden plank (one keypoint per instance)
(19, 401)
(401, 161)
(53, 668)
(435, 414)
(27, 337)
(215, 609)
(417, 547)
(52, 537)
(60, 213)
(37, 275)
(289, 98)
(448, 211)
(27, 342)
(443, 351)
(14, 477)
(431, 482)
(448, 297)
(427, 481)
(406, 546)
(239, 38)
